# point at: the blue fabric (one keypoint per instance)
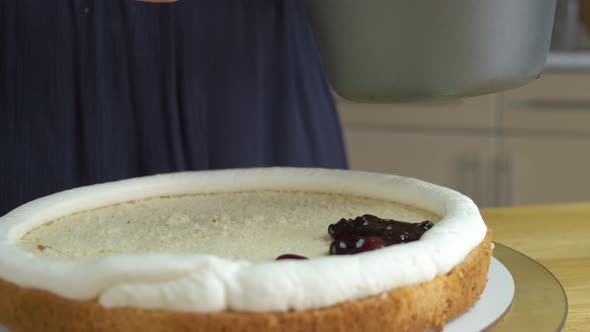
(100, 90)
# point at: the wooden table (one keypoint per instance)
(558, 237)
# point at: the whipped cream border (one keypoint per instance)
(204, 283)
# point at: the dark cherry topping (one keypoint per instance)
(356, 245)
(290, 256)
(368, 232)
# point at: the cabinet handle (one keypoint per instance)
(546, 105)
(504, 175)
(467, 177)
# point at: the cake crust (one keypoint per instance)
(412, 308)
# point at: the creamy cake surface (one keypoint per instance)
(252, 225)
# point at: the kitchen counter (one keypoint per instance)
(557, 236)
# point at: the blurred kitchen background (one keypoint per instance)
(530, 145)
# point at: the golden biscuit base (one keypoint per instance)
(412, 308)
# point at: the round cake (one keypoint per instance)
(270, 249)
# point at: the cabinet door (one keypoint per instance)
(555, 104)
(544, 170)
(455, 161)
(474, 113)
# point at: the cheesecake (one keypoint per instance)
(197, 251)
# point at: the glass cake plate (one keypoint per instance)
(521, 295)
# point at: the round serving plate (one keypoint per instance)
(521, 295)
(494, 302)
(539, 304)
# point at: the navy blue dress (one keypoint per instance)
(100, 90)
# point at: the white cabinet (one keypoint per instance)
(448, 142)
(529, 145)
(557, 104)
(543, 170)
(454, 161)
(544, 151)
(473, 113)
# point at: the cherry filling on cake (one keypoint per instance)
(368, 232)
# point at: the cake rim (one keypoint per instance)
(202, 283)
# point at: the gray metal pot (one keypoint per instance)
(392, 50)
